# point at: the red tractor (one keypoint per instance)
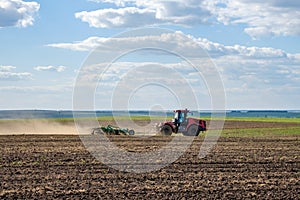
(182, 123)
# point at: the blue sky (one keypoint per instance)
(254, 45)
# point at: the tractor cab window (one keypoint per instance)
(175, 119)
(180, 117)
(176, 115)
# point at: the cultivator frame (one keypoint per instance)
(112, 130)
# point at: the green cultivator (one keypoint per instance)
(112, 130)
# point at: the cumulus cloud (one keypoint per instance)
(246, 71)
(85, 45)
(6, 68)
(14, 76)
(261, 18)
(133, 13)
(17, 13)
(50, 68)
(251, 67)
(178, 41)
(122, 17)
(7, 74)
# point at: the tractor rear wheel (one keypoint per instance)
(166, 130)
(193, 130)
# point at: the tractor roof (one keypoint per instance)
(186, 110)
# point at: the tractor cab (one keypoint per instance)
(183, 123)
(180, 117)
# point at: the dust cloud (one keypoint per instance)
(36, 126)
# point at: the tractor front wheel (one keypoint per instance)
(193, 130)
(166, 130)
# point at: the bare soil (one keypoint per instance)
(59, 167)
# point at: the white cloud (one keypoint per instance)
(261, 18)
(138, 13)
(178, 41)
(253, 67)
(17, 13)
(116, 2)
(50, 68)
(15, 76)
(7, 74)
(85, 45)
(189, 12)
(247, 72)
(122, 17)
(5, 68)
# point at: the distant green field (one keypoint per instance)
(258, 119)
(110, 118)
(261, 132)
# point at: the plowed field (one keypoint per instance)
(59, 167)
